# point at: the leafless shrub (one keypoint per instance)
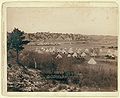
(44, 62)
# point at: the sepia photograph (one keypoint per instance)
(62, 49)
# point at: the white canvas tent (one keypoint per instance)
(78, 50)
(50, 50)
(58, 50)
(42, 48)
(47, 50)
(69, 55)
(53, 49)
(58, 56)
(83, 54)
(92, 61)
(101, 50)
(86, 51)
(109, 52)
(70, 50)
(64, 52)
(93, 54)
(75, 54)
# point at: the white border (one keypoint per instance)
(49, 4)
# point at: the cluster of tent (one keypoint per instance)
(70, 52)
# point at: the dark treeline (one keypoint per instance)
(56, 36)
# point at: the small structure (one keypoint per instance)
(86, 50)
(92, 61)
(64, 52)
(101, 50)
(83, 54)
(47, 50)
(42, 48)
(58, 50)
(78, 50)
(75, 54)
(93, 54)
(53, 49)
(69, 55)
(58, 56)
(70, 51)
(50, 50)
(110, 53)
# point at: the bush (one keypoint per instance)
(44, 62)
(48, 62)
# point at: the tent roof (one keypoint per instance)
(78, 50)
(75, 54)
(83, 54)
(70, 50)
(63, 51)
(58, 56)
(92, 61)
(69, 55)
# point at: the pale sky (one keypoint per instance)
(91, 21)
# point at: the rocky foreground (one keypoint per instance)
(31, 80)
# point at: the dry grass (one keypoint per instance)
(99, 76)
(102, 75)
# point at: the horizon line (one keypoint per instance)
(67, 33)
(71, 33)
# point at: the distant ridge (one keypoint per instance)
(56, 36)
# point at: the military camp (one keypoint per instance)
(61, 47)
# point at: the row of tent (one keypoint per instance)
(91, 61)
(74, 53)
